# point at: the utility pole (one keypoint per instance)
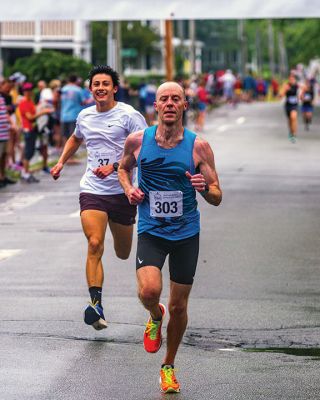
(169, 50)
(192, 36)
(258, 50)
(271, 47)
(282, 55)
(242, 52)
(110, 46)
(114, 46)
(118, 47)
(181, 47)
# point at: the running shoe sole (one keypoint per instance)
(170, 390)
(164, 311)
(91, 317)
(100, 324)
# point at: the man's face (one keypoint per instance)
(292, 79)
(27, 93)
(170, 103)
(41, 85)
(6, 87)
(102, 88)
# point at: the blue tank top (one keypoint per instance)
(169, 209)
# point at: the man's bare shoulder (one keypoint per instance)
(201, 145)
(135, 136)
(134, 140)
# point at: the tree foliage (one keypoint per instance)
(49, 65)
(134, 35)
(138, 36)
(99, 33)
(301, 39)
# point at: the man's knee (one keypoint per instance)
(95, 246)
(149, 295)
(178, 309)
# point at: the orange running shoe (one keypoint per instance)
(168, 381)
(152, 338)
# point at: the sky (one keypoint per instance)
(97, 10)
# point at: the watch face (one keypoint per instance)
(116, 166)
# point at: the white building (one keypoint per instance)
(21, 38)
(155, 64)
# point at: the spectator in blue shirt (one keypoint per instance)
(72, 100)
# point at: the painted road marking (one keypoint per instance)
(222, 128)
(19, 202)
(75, 214)
(227, 349)
(7, 253)
(240, 120)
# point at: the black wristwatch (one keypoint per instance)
(115, 166)
(205, 191)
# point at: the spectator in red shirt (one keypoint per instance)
(28, 114)
(203, 100)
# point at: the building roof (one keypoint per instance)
(158, 9)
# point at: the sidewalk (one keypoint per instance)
(53, 157)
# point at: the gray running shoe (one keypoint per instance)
(32, 179)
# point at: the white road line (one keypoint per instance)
(227, 349)
(240, 120)
(18, 202)
(222, 128)
(75, 214)
(4, 254)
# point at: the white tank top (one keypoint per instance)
(104, 134)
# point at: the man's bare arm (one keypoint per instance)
(128, 162)
(206, 182)
(285, 87)
(71, 146)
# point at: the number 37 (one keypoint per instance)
(103, 161)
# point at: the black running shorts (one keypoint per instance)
(117, 206)
(289, 108)
(29, 144)
(183, 255)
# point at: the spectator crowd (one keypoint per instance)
(38, 119)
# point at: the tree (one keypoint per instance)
(49, 65)
(301, 38)
(141, 37)
(137, 40)
(99, 33)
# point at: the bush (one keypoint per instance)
(49, 65)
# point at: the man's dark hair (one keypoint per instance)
(73, 78)
(104, 69)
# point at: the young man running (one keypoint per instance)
(173, 164)
(103, 128)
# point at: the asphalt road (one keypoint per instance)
(254, 314)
